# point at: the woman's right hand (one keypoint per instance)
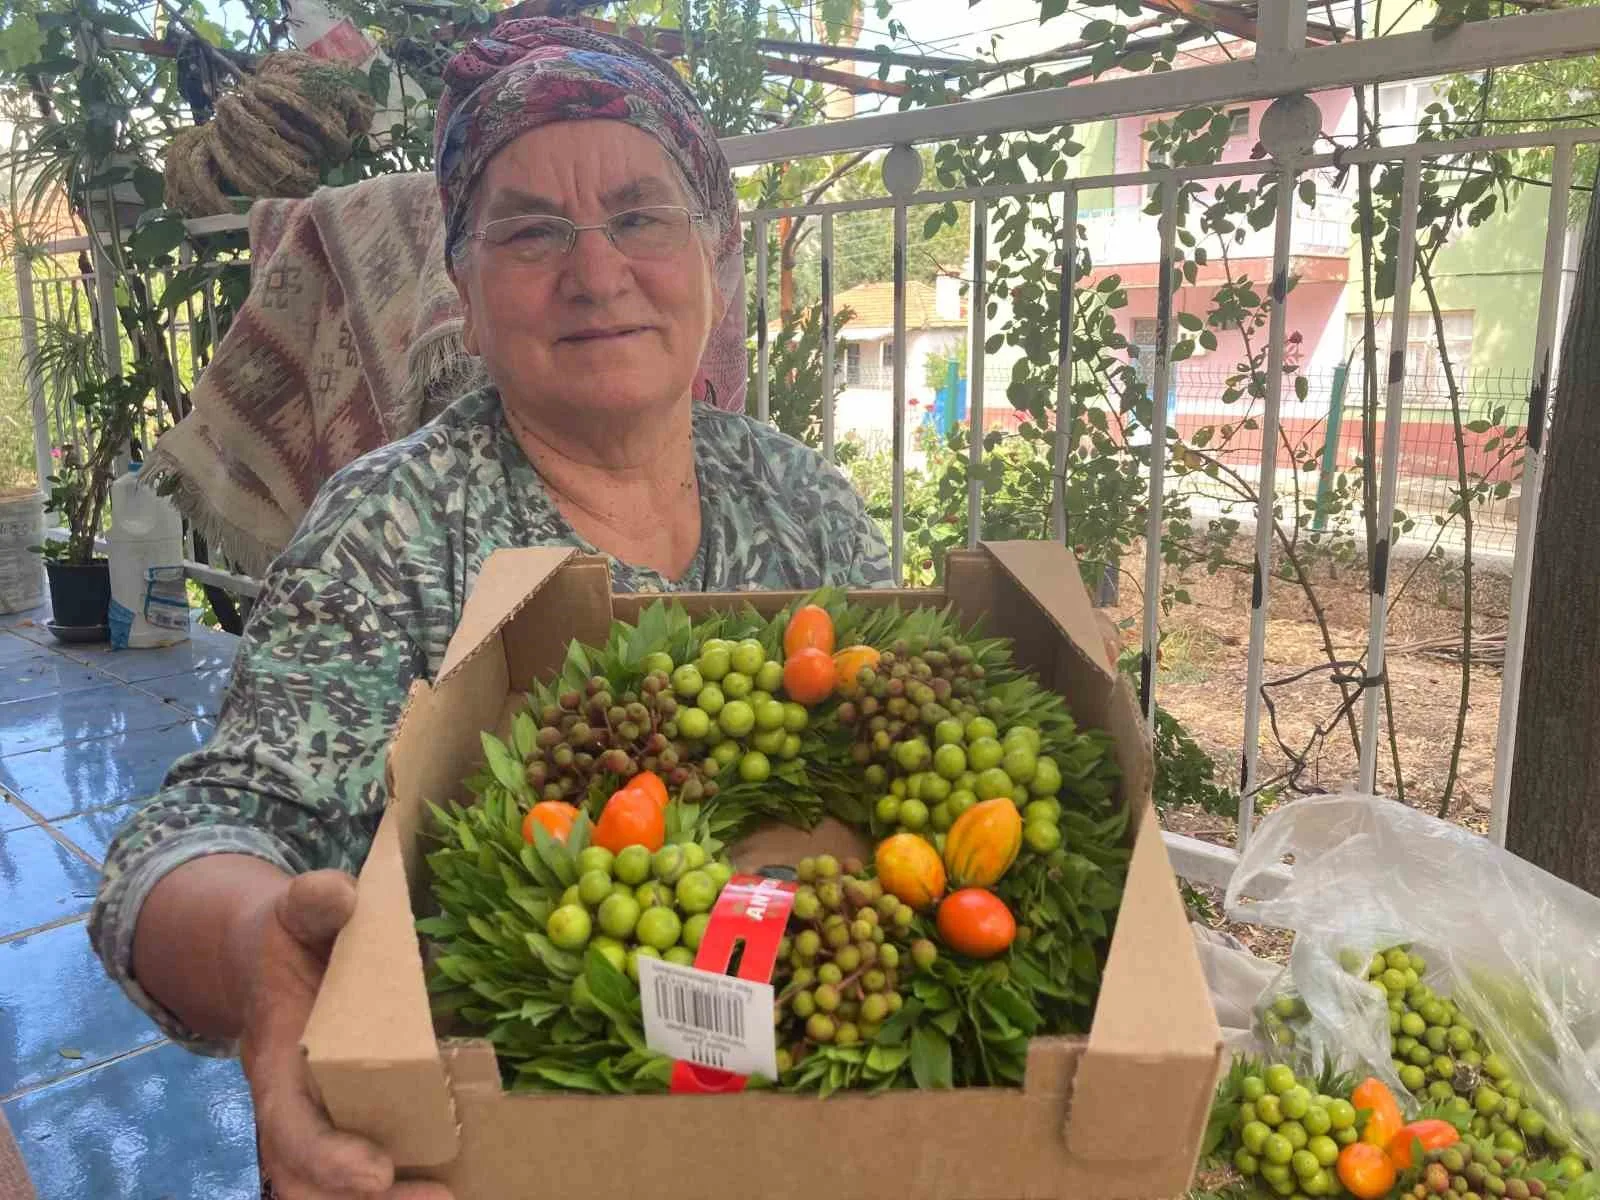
(283, 945)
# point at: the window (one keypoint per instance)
(1239, 123)
(852, 364)
(886, 355)
(1425, 379)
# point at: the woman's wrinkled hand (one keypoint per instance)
(284, 944)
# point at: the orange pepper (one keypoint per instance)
(1433, 1135)
(1366, 1171)
(1385, 1117)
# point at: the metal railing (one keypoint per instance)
(1281, 67)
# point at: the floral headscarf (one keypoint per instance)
(540, 70)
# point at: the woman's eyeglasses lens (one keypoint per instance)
(637, 233)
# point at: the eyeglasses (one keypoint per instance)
(654, 232)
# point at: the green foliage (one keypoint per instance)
(795, 369)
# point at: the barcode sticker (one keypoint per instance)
(713, 1020)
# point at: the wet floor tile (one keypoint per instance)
(91, 774)
(206, 650)
(92, 832)
(43, 673)
(200, 695)
(162, 1123)
(93, 713)
(41, 880)
(61, 1012)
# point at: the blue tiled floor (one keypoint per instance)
(100, 1103)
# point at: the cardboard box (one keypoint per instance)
(1118, 1114)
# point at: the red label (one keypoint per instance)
(754, 910)
(342, 43)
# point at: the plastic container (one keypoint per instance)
(149, 596)
(21, 568)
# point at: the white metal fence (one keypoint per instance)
(1282, 67)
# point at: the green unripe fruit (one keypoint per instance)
(1278, 1150)
(659, 928)
(593, 887)
(1270, 1109)
(1046, 780)
(595, 858)
(1296, 1102)
(569, 927)
(1304, 1163)
(820, 1028)
(619, 915)
(950, 762)
(694, 723)
(696, 893)
(1042, 837)
(1020, 764)
(993, 784)
(1324, 1149)
(632, 866)
(1318, 1120)
(1412, 1025)
(1246, 1163)
(1296, 1133)
(795, 717)
(913, 815)
(769, 678)
(688, 681)
(1254, 1136)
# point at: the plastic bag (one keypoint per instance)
(1515, 948)
(1237, 979)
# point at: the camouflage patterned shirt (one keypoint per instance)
(364, 601)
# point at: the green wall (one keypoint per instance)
(1099, 157)
(1494, 270)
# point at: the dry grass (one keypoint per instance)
(1201, 680)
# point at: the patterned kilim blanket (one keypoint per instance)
(350, 338)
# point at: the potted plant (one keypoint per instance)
(106, 410)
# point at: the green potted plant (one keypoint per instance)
(105, 412)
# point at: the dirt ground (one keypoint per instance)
(1201, 681)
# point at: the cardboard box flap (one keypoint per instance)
(1049, 573)
(369, 1041)
(508, 580)
(1145, 1083)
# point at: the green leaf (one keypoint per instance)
(1190, 321)
(523, 732)
(1308, 191)
(158, 236)
(1302, 386)
(20, 42)
(507, 771)
(930, 1059)
(887, 1059)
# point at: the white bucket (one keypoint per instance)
(149, 599)
(21, 569)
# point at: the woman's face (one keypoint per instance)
(593, 331)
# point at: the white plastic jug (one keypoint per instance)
(149, 597)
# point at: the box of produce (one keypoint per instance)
(837, 894)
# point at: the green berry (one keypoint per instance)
(659, 928)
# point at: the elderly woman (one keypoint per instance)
(594, 239)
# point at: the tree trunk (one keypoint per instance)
(786, 265)
(1554, 820)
